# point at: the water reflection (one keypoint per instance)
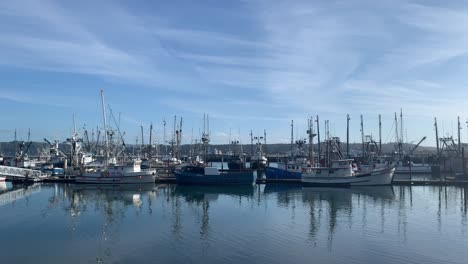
(3, 186)
(216, 223)
(200, 197)
(9, 194)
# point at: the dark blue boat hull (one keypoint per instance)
(279, 174)
(234, 178)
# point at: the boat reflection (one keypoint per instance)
(11, 193)
(211, 193)
(326, 205)
(3, 186)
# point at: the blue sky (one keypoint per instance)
(248, 64)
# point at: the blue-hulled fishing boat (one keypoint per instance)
(205, 175)
(291, 170)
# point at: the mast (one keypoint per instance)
(327, 140)
(251, 144)
(347, 135)
(396, 135)
(401, 126)
(380, 134)
(459, 139)
(179, 138)
(142, 137)
(74, 125)
(310, 132)
(362, 135)
(292, 137)
(165, 137)
(29, 134)
(264, 142)
(105, 125)
(151, 140)
(437, 136)
(318, 137)
(173, 141)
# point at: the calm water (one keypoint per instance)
(260, 224)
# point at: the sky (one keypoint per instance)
(250, 65)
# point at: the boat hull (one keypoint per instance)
(422, 169)
(229, 178)
(377, 177)
(280, 174)
(236, 165)
(125, 179)
(258, 165)
(2, 179)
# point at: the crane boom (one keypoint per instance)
(416, 146)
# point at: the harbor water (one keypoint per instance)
(59, 223)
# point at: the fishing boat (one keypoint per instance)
(258, 162)
(193, 174)
(130, 172)
(236, 164)
(341, 173)
(291, 170)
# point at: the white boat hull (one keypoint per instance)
(376, 177)
(2, 179)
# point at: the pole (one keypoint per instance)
(105, 125)
(401, 125)
(318, 138)
(347, 135)
(142, 137)
(396, 136)
(251, 144)
(362, 135)
(459, 139)
(310, 131)
(151, 140)
(463, 161)
(380, 134)
(292, 137)
(437, 137)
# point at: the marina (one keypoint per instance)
(325, 162)
(284, 131)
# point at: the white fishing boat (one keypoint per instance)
(341, 173)
(129, 172)
(110, 172)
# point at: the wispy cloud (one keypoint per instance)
(289, 59)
